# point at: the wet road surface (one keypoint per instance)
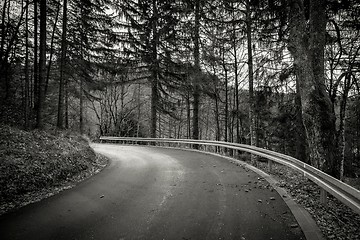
(159, 193)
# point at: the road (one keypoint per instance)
(158, 193)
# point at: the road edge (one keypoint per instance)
(302, 216)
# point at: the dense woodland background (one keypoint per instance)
(282, 75)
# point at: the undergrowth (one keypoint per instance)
(335, 220)
(35, 164)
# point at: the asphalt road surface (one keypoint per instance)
(158, 193)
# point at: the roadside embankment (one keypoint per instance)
(37, 164)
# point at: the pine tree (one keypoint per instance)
(150, 38)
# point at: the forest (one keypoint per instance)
(277, 74)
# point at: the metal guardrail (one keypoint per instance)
(343, 192)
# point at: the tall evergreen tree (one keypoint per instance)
(150, 38)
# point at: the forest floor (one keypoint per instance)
(38, 164)
(335, 220)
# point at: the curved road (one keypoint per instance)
(158, 193)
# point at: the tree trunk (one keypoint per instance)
(206, 123)
(236, 92)
(3, 27)
(301, 141)
(60, 114)
(6, 50)
(154, 71)
(232, 124)
(252, 120)
(317, 112)
(169, 126)
(27, 78)
(196, 90)
(42, 64)
(341, 131)
(36, 66)
(159, 127)
(236, 73)
(341, 138)
(217, 118)
(188, 116)
(3, 63)
(66, 86)
(154, 100)
(226, 123)
(51, 49)
(138, 96)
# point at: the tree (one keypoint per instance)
(60, 115)
(36, 57)
(196, 88)
(42, 65)
(148, 45)
(27, 77)
(10, 28)
(341, 56)
(253, 138)
(308, 52)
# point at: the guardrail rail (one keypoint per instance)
(328, 184)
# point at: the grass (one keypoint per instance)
(37, 164)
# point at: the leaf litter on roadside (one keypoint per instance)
(335, 220)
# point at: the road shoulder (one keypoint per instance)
(303, 217)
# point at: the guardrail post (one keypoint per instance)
(323, 196)
(269, 165)
(236, 154)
